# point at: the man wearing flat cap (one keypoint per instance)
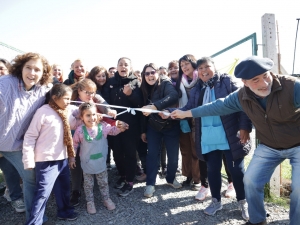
(272, 103)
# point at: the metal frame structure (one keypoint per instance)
(250, 37)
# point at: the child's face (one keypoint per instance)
(86, 94)
(89, 117)
(63, 101)
(124, 67)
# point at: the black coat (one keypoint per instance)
(112, 92)
(162, 96)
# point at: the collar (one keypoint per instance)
(22, 87)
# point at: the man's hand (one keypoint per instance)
(178, 114)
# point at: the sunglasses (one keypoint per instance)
(148, 73)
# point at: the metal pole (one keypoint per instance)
(295, 45)
(278, 54)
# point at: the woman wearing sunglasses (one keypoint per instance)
(158, 94)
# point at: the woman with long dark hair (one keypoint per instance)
(158, 94)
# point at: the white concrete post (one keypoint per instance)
(270, 51)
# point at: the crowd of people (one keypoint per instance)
(56, 133)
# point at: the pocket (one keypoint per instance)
(213, 135)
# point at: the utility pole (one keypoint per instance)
(295, 44)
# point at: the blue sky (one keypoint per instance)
(101, 31)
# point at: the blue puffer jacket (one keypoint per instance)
(232, 123)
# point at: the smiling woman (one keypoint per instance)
(158, 94)
(21, 94)
(31, 68)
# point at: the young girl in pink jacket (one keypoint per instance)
(46, 148)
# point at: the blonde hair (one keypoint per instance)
(61, 79)
(82, 62)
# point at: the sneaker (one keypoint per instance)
(195, 186)
(109, 204)
(203, 192)
(141, 177)
(126, 190)
(75, 198)
(149, 190)
(213, 207)
(187, 182)
(18, 205)
(6, 195)
(243, 206)
(261, 223)
(120, 183)
(230, 192)
(90, 207)
(70, 217)
(175, 184)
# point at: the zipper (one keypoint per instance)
(265, 113)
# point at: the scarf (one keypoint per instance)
(184, 99)
(208, 85)
(185, 82)
(67, 131)
(73, 78)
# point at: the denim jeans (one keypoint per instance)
(236, 168)
(171, 140)
(28, 177)
(259, 172)
(12, 179)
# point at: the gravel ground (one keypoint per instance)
(167, 206)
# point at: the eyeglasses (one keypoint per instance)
(88, 93)
(148, 73)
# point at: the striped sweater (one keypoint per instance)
(17, 108)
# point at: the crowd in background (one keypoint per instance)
(59, 130)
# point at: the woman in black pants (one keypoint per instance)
(124, 90)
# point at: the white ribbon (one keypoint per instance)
(129, 110)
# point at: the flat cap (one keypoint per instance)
(252, 67)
